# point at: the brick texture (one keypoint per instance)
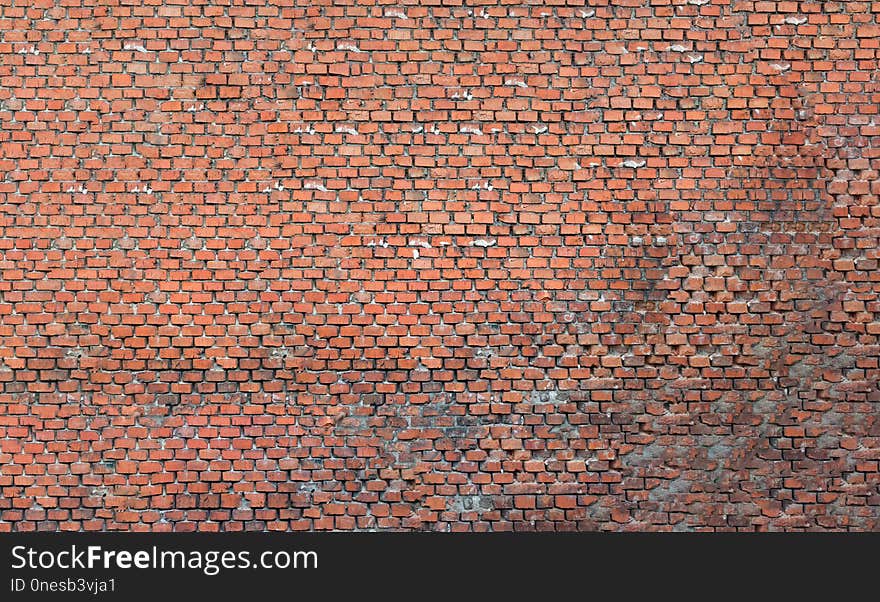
(439, 265)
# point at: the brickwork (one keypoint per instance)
(433, 265)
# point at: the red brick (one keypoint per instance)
(579, 271)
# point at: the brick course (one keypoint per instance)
(424, 265)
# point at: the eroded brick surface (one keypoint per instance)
(443, 266)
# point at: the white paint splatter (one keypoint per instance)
(135, 47)
(795, 20)
(349, 47)
(694, 58)
(677, 48)
(314, 186)
(346, 129)
(516, 82)
(484, 242)
(633, 163)
(586, 14)
(471, 130)
(395, 14)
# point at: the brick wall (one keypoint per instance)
(439, 265)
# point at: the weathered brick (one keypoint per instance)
(440, 267)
